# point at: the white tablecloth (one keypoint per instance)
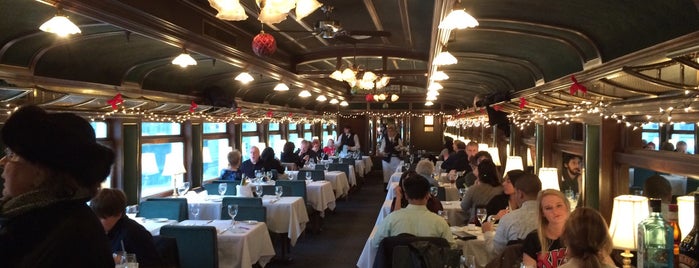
(288, 215)
(250, 243)
(321, 196)
(360, 167)
(366, 259)
(454, 212)
(451, 191)
(338, 180)
(153, 226)
(474, 247)
(368, 164)
(395, 177)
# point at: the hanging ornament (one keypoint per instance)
(576, 86)
(270, 113)
(497, 107)
(116, 101)
(522, 103)
(369, 98)
(264, 44)
(290, 115)
(192, 107)
(240, 111)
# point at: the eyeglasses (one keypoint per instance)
(11, 156)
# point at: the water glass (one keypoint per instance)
(258, 191)
(434, 191)
(481, 213)
(309, 176)
(233, 211)
(462, 193)
(194, 208)
(278, 191)
(222, 187)
(132, 211)
(444, 215)
(182, 188)
(258, 174)
(327, 166)
(468, 261)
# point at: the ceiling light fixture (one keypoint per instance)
(334, 101)
(244, 78)
(431, 98)
(271, 11)
(439, 76)
(344, 103)
(458, 19)
(304, 94)
(394, 98)
(184, 59)
(429, 103)
(60, 25)
(228, 9)
(281, 87)
(435, 86)
(321, 98)
(444, 58)
(337, 75)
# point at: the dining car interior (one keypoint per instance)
(596, 98)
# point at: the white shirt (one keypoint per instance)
(415, 220)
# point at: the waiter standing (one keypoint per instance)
(390, 148)
(348, 139)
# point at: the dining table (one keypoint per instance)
(242, 245)
(452, 193)
(338, 180)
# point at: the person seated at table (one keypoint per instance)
(543, 247)
(315, 147)
(426, 168)
(507, 198)
(306, 154)
(657, 186)
(470, 178)
(486, 187)
(329, 149)
(400, 199)
(415, 219)
(448, 148)
(249, 166)
(457, 161)
(587, 240)
(124, 233)
(516, 225)
(233, 172)
(270, 163)
(288, 155)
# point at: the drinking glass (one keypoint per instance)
(434, 191)
(258, 175)
(572, 198)
(182, 188)
(222, 187)
(194, 209)
(309, 176)
(232, 211)
(444, 215)
(258, 191)
(468, 261)
(462, 193)
(132, 211)
(327, 166)
(481, 213)
(278, 190)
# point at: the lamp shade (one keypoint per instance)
(530, 161)
(685, 214)
(495, 153)
(549, 178)
(513, 163)
(628, 211)
(150, 167)
(173, 165)
(482, 147)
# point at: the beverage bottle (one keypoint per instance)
(655, 239)
(674, 222)
(689, 248)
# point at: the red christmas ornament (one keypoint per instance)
(369, 98)
(264, 44)
(576, 86)
(193, 107)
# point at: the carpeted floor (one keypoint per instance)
(344, 232)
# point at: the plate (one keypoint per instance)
(250, 222)
(161, 219)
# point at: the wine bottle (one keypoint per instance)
(655, 239)
(689, 248)
(676, 236)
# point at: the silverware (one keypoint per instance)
(225, 230)
(209, 221)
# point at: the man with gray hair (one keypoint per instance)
(425, 168)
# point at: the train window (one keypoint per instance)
(273, 126)
(292, 126)
(249, 127)
(100, 129)
(651, 133)
(249, 141)
(275, 141)
(160, 129)
(153, 162)
(308, 136)
(214, 128)
(215, 157)
(294, 137)
(306, 126)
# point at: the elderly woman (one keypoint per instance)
(233, 172)
(425, 168)
(52, 166)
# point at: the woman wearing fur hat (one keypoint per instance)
(52, 166)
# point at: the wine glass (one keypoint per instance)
(132, 211)
(233, 211)
(462, 193)
(572, 199)
(309, 176)
(182, 188)
(434, 191)
(222, 187)
(481, 213)
(278, 191)
(194, 209)
(258, 191)
(327, 166)
(258, 175)
(444, 215)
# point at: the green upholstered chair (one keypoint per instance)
(316, 175)
(269, 190)
(184, 208)
(197, 245)
(159, 209)
(247, 213)
(242, 201)
(340, 167)
(295, 188)
(212, 187)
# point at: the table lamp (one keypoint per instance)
(513, 163)
(549, 178)
(628, 211)
(482, 147)
(495, 154)
(685, 214)
(174, 166)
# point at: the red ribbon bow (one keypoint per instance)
(116, 101)
(270, 114)
(497, 107)
(240, 111)
(576, 86)
(193, 107)
(522, 102)
(290, 115)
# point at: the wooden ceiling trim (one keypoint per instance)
(405, 22)
(332, 53)
(495, 76)
(683, 60)
(592, 91)
(609, 82)
(557, 39)
(369, 4)
(37, 57)
(655, 81)
(535, 72)
(165, 60)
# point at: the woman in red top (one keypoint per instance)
(330, 148)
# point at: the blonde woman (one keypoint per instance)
(587, 240)
(544, 246)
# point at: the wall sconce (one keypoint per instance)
(495, 154)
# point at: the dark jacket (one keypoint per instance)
(61, 234)
(136, 240)
(248, 168)
(458, 161)
(292, 158)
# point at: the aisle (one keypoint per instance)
(345, 232)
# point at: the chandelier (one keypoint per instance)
(271, 11)
(361, 79)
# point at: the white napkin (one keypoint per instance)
(243, 191)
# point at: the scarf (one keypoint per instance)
(32, 200)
